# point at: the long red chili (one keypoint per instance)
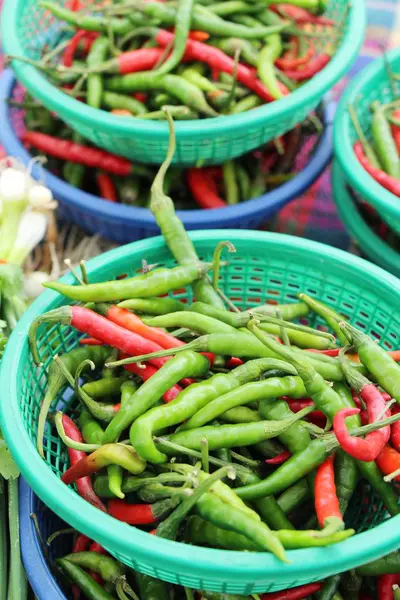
(279, 458)
(297, 593)
(70, 50)
(95, 325)
(84, 485)
(385, 180)
(131, 322)
(95, 547)
(133, 514)
(106, 187)
(388, 460)
(366, 449)
(203, 188)
(89, 341)
(301, 15)
(217, 59)
(385, 585)
(287, 62)
(133, 61)
(395, 429)
(147, 371)
(78, 153)
(326, 500)
(313, 67)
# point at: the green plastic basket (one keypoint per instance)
(371, 84)
(370, 243)
(26, 29)
(266, 267)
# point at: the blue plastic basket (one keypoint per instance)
(41, 579)
(123, 223)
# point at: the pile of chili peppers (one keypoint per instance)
(117, 180)
(213, 426)
(91, 571)
(203, 59)
(380, 155)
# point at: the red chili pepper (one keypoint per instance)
(233, 363)
(385, 180)
(301, 15)
(134, 61)
(396, 130)
(331, 352)
(81, 544)
(297, 593)
(366, 449)
(84, 485)
(287, 62)
(317, 417)
(385, 586)
(203, 188)
(78, 153)
(313, 67)
(70, 50)
(131, 322)
(89, 40)
(133, 514)
(90, 342)
(141, 96)
(217, 59)
(106, 186)
(279, 458)
(95, 547)
(388, 460)
(148, 371)
(326, 500)
(199, 36)
(395, 429)
(110, 334)
(74, 5)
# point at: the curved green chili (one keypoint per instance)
(182, 24)
(85, 582)
(265, 64)
(96, 56)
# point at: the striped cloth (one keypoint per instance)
(314, 214)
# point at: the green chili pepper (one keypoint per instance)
(105, 387)
(247, 50)
(85, 582)
(205, 20)
(243, 181)
(156, 491)
(382, 566)
(152, 589)
(265, 64)
(172, 227)
(384, 142)
(199, 531)
(183, 365)
(294, 496)
(329, 588)
(331, 317)
(178, 87)
(92, 431)
(169, 527)
(112, 101)
(288, 312)
(378, 362)
(200, 323)
(230, 182)
(230, 7)
(190, 401)
(244, 105)
(231, 436)
(96, 57)
(153, 306)
(182, 25)
(106, 566)
(57, 380)
(296, 438)
(119, 26)
(250, 392)
(159, 281)
(240, 414)
(134, 483)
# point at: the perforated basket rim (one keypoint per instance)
(369, 241)
(204, 563)
(142, 217)
(377, 195)
(101, 120)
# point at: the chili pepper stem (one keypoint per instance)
(332, 525)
